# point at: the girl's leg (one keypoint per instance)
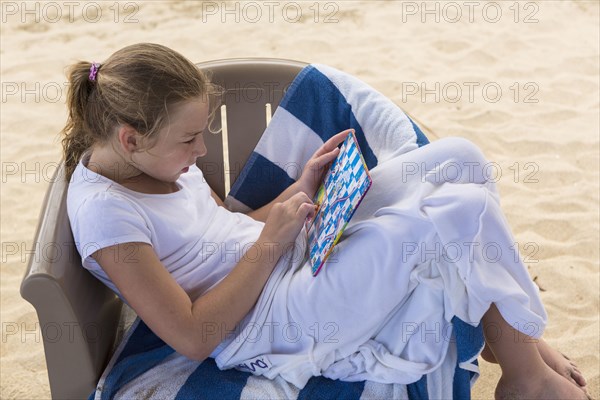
(525, 375)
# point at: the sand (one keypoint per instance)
(518, 79)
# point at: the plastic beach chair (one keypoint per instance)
(80, 318)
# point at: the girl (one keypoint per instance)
(148, 226)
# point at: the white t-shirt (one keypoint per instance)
(198, 241)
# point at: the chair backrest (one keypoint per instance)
(79, 316)
(254, 88)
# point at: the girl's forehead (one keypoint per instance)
(191, 105)
(185, 118)
(192, 111)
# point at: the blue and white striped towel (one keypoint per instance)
(320, 102)
(144, 367)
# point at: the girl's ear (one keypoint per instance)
(128, 138)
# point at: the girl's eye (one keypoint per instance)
(194, 138)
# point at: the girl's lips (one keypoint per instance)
(186, 169)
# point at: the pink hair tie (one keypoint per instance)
(94, 71)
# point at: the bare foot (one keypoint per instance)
(547, 384)
(561, 363)
(554, 359)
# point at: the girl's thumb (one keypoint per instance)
(308, 210)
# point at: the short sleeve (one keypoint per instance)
(106, 219)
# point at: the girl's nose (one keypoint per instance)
(200, 150)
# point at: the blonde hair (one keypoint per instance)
(135, 86)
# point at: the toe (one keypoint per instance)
(577, 376)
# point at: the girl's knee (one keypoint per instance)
(467, 161)
(465, 150)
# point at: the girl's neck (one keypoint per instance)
(115, 167)
(111, 165)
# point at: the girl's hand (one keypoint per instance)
(319, 163)
(285, 220)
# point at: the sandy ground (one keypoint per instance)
(520, 79)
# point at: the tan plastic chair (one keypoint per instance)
(80, 318)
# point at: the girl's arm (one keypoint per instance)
(194, 329)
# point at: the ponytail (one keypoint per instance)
(77, 136)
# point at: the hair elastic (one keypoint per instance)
(93, 71)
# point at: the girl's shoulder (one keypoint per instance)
(90, 190)
(101, 216)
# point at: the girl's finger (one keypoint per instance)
(299, 198)
(305, 210)
(317, 164)
(327, 157)
(337, 139)
(333, 142)
(312, 212)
